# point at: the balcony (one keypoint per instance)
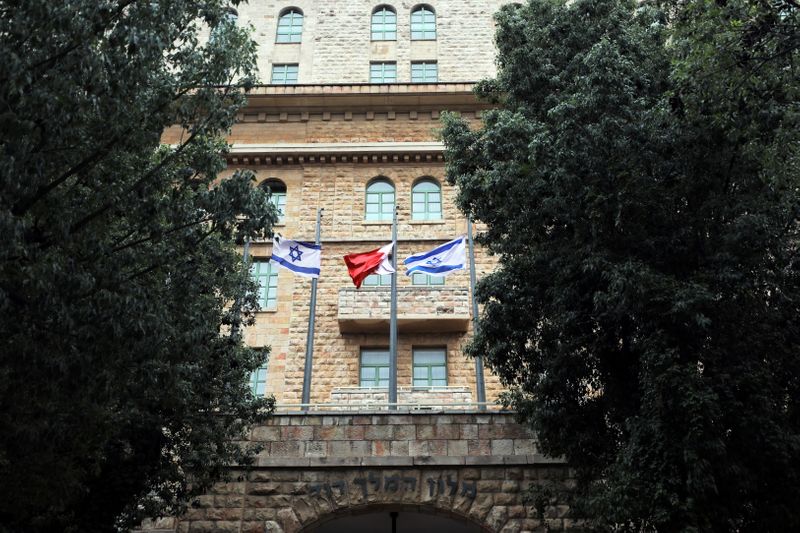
(411, 398)
(419, 309)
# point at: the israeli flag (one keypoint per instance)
(440, 261)
(302, 258)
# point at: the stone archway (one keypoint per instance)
(377, 518)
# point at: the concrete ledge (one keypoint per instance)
(439, 460)
(387, 461)
(419, 461)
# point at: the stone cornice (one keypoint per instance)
(375, 97)
(333, 153)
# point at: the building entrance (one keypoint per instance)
(381, 519)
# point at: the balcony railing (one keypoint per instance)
(419, 309)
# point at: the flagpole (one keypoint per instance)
(393, 320)
(479, 383)
(312, 312)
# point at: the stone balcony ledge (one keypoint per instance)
(419, 309)
(417, 398)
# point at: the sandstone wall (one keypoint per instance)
(336, 45)
(474, 467)
(340, 190)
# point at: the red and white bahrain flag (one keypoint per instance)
(375, 262)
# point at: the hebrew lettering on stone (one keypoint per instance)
(361, 482)
(431, 486)
(318, 490)
(470, 490)
(411, 483)
(341, 485)
(391, 483)
(375, 481)
(453, 485)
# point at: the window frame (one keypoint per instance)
(426, 213)
(382, 216)
(377, 280)
(383, 65)
(255, 380)
(425, 64)
(421, 34)
(428, 366)
(429, 280)
(293, 36)
(285, 81)
(266, 303)
(382, 10)
(377, 379)
(278, 193)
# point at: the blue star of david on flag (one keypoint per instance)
(440, 261)
(295, 254)
(302, 258)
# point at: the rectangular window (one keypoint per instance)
(284, 74)
(424, 72)
(375, 367)
(384, 72)
(258, 381)
(266, 275)
(426, 279)
(278, 199)
(376, 280)
(430, 367)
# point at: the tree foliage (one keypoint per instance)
(123, 376)
(639, 184)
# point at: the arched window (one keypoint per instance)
(277, 196)
(384, 24)
(229, 17)
(426, 200)
(290, 26)
(380, 200)
(423, 23)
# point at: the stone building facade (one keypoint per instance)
(353, 96)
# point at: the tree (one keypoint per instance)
(123, 375)
(639, 182)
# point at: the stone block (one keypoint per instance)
(288, 521)
(400, 448)
(379, 432)
(266, 434)
(525, 447)
(448, 431)
(399, 419)
(457, 448)
(426, 432)
(297, 433)
(253, 527)
(405, 432)
(316, 449)
(502, 447)
(468, 431)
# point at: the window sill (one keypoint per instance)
(429, 222)
(376, 222)
(260, 311)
